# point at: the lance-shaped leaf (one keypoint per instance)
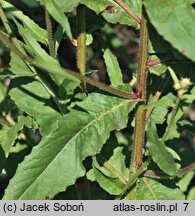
(150, 189)
(173, 20)
(56, 162)
(159, 151)
(39, 33)
(112, 65)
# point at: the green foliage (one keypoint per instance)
(113, 68)
(60, 137)
(78, 135)
(149, 189)
(10, 134)
(173, 20)
(159, 152)
(35, 30)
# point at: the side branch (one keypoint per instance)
(129, 11)
(161, 175)
(131, 96)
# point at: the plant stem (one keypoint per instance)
(157, 61)
(139, 132)
(161, 175)
(50, 34)
(129, 11)
(134, 177)
(130, 96)
(81, 40)
(82, 185)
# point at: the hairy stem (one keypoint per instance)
(139, 132)
(157, 61)
(81, 40)
(50, 34)
(161, 175)
(131, 96)
(129, 11)
(134, 177)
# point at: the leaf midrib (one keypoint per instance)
(96, 119)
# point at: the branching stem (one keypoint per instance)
(139, 132)
(131, 96)
(161, 175)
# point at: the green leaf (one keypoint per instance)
(131, 195)
(56, 162)
(99, 6)
(33, 99)
(159, 114)
(114, 168)
(113, 68)
(184, 182)
(10, 134)
(67, 5)
(32, 3)
(16, 156)
(58, 36)
(57, 13)
(3, 91)
(121, 16)
(173, 130)
(42, 58)
(112, 186)
(149, 189)
(117, 163)
(165, 101)
(159, 68)
(39, 33)
(17, 68)
(159, 152)
(173, 20)
(191, 194)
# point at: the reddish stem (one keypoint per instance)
(158, 61)
(129, 11)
